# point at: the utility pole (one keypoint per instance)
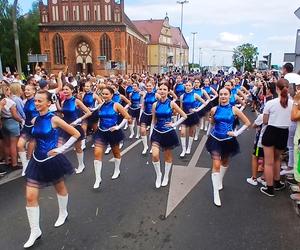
(16, 36)
(182, 2)
(194, 34)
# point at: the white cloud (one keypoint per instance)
(281, 38)
(230, 37)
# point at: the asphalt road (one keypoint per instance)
(129, 213)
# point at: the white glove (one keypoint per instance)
(240, 131)
(121, 125)
(94, 109)
(76, 122)
(178, 122)
(64, 147)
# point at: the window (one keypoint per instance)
(86, 12)
(117, 16)
(107, 11)
(105, 46)
(76, 13)
(59, 53)
(66, 13)
(97, 12)
(55, 13)
(129, 49)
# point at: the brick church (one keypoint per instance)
(91, 36)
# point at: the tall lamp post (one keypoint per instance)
(194, 34)
(182, 2)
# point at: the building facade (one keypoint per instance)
(91, 36)
(167, 48)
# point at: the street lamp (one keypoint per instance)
(182, 2)
(193, 33)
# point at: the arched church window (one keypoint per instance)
(59, 53)
(105, 46)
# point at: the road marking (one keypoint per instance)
(198, 152)
(127, 149)
(184, 179)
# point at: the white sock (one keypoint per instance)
(158, 174)
(191, 139)
(165, 181)
(97, 168)
(117, 168)
(24, 161)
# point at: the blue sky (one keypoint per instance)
(270, 25)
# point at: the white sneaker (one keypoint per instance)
(93, 145)
(145, 151)
(131, 136)
(284, 166)
(188, 151)
(150, 151)
(121, 145)
(83, 146)
(61, 219)
(286, 171)
(108, 149)
(137, 136)
(196, 138)
(295, 188)
(252, 181)
(261, 181)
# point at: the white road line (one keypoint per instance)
(128, 149)
(198, 152)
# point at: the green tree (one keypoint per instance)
(244, 54)
(28, 32)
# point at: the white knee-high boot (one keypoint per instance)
(81, 165)
(131, 129)
(24, 161)
(33, 214)
(215, 177)
(158, 174)
(183, 145)
(117, 168)
(83, 144)
(97, 167)
(63, 213)
(138, 128)
(189, 148)
(165, 181)
(222, 173)
(206, 125)
(202, 123)
(144, 140)
(197, 133)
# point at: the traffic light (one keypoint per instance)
(268, 59)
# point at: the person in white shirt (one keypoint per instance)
(277, 116)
